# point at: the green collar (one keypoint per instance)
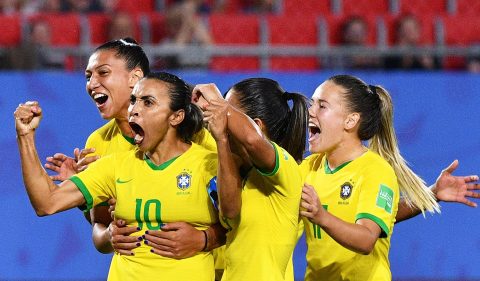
(129, 139)
(162, 166)
(329, 171)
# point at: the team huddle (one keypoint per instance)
(205, 186)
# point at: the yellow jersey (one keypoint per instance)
(149, 195)
(261, 240)
(365, 188)
(108, 139)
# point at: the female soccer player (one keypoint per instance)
(112, 71)
(255, 122)
(351, 195)
(164, 180)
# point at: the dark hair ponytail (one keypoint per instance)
(180, 99)
(296, 124)
(264, 99)
(129, 50)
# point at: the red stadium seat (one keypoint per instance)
(158, 31)
(11, 31)
(460, 31)
(364, 7)
(335, 25)
(98, 25)
(421, 8)
(64, 28)
(316, 7)
(468, 7)
(284, 30)
(242, 30)
(427, 24)
(137, 6)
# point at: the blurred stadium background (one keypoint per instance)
(296, 42)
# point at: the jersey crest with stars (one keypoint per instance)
(184, 180)
(346, 190)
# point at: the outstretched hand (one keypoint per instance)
(66, 166)
(452, 188)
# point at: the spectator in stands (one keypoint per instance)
(184, 27)
(8, 7)
(35, 52)
(53, 6)
(121, 26)
(473, 64)
(84, 6)
(109, 6)
(354, 33)
(408, 35)
(258, 6)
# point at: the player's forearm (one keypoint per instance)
(405, 211)
(38, 184)
(355, 237)
(228, 181)
(250, 136)
(216, 236)
(101, 238)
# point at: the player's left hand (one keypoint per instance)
(452, 188)
(176, 240)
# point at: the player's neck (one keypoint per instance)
(167, 149)
(344, 153)
(124, 127)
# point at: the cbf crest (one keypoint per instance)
(184, 180)
(346, 190)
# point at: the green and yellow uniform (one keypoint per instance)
(262, 238)
(149, 195)
(108, 139)
(365, 188)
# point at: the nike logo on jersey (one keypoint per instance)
(119, 181)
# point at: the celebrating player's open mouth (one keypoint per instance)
(139, 133)
(100, 99)
(313, 132)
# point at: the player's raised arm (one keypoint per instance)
(45, 196)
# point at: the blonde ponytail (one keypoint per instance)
(413, 188)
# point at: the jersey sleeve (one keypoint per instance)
(205, 140)
(286, 174)
(97, 183)
(378, 199)
(210, 176)
(94, 141)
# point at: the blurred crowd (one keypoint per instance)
(184, 26)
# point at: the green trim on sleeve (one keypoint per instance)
(83, 189)
(377, 220)
(277, 164)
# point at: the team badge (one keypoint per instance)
(346, 190)
(183, 180)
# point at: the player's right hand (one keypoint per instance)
(27, 117)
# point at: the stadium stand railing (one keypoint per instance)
(287, 40)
